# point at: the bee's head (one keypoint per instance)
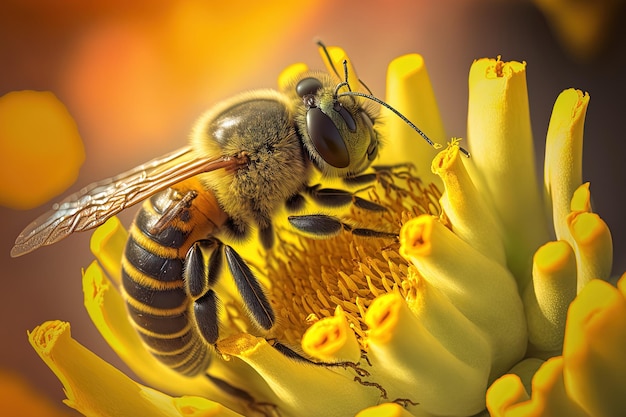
(338, 131)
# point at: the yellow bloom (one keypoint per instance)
(473, 289)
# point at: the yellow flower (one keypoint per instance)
(473, 291)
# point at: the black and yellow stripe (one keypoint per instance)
(152, 280)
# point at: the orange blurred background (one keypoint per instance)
(136, 75)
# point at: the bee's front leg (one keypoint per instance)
(333, 197)
(323, 226)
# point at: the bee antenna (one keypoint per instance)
(330, 61)
(396, 112)
(371, 96)
(345, 70)
(400, 115)
(366, 87)
(345, 82)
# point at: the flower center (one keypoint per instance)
(310, 277)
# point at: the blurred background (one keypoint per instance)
(135, 76)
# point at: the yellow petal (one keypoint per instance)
(420, 368)
(450, 327)
(563, 161)
(189, 406)
(508, 398)
(94, 387)
(468, 278)
(40, 144)
(550, 397)
(503, 158)
(526, 370)
(581, 201)
(593, 245)
(286, 77)
(460, 203)
(410, 91)
(547, 299)
(332, 340)
(298, 387)
(336, 66)
(594, 346)
(504, 394)
(107, 244)
(385, 410)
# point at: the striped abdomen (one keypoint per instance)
(152, 279)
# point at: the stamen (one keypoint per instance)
(310, 277)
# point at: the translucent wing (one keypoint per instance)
(94, 204)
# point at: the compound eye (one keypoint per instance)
(327, 139)
(347, 117)
(308, 86)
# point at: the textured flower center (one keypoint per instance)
(310, 277)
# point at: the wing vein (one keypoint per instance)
(96, 203)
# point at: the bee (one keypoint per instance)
(248, 156)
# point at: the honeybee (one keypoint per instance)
(248, 156)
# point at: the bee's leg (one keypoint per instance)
(295, 203)
(178, 204)
(199, 277)
(332, 197)
(205, 315)
(363, 179)
(402, 168)
(266, 409)
(290, 353)
(250, 289)
(382, 173)
(230, 389)
(322, 225)
(266, 236)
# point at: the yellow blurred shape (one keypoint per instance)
(20, 398)
(583, 27)
(40, 148)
